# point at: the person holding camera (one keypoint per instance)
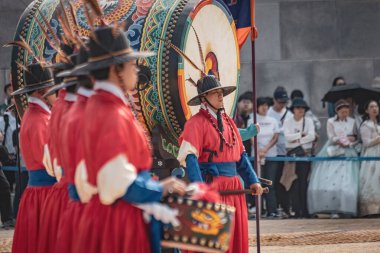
(299, 134)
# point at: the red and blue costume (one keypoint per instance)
(72, 156)
(57, 199)
(219, 163)
(32, 140)
(117, 158)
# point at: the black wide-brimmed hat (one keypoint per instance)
(36, 78)
(206, 84)
(80, 60)
(68, 80)
(66, 50)
(300, 103)
(109, 47)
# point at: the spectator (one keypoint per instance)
(299, 133)
(309, 113)
(338, 81)
(5, 202)
(369, 193)
(22, 179)
(7, 91)
(244, 107)
(7, 127)
(334, 185)
(266, 142)
(280, 112)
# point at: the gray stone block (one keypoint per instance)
(376, 68)
(358, 24)
(14, 5)
(267, 45)
(308, 30)
(291, 75)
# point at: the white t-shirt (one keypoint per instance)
(268, 128)
(281, 148)
(293, 132)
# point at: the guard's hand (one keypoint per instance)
(258, 127)
(173, 185)
(258, 190)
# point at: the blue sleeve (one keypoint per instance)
(245, 170)
(143, 190)
(192, 169)
(248, 133)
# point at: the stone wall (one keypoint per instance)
(305, 44)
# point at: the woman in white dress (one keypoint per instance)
(334, 185)
(369, 193)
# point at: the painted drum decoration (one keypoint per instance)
(205, 226)
(204, 30)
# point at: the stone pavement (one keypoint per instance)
(298, 236)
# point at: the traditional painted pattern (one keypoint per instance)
(147, 21)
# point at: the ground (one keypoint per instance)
(299, 236)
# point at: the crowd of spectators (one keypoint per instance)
(302, 189)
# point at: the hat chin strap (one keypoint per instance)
(219, 120)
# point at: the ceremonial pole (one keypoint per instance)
(256, 163)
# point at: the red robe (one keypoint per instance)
(71, 156)
(57, 199)
(111, 134)
(52, 132)
(32, 140)
(198, 136)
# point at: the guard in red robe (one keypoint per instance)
(32, 140)
(71, 159)
(117, 154)
(212, 151)
(58, 197)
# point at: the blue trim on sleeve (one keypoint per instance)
(249, 132)
(143, 190)
(245, 170)
(40, 177)
(192, 169)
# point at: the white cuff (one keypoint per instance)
(185, 150)
(46, 160)
(114, 178)
(84, 188)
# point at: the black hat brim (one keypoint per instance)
(59, 66)
(300, 106)
(197, 99)
(56, 88)
(30, 88)
(86, 68)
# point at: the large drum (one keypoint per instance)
(204, 30)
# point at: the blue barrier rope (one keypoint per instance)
(13, 168)
(277, 159)
(319, 158)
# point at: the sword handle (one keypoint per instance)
(245, 191)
